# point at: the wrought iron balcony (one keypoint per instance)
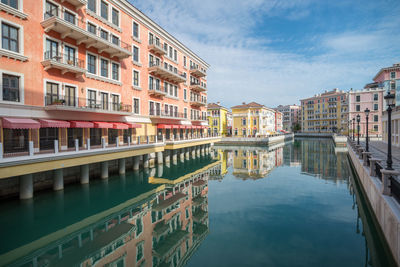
(157, 68)
(198, 87)
(163, 114)
(63, 62)
(197, 71)
(156, 90)
(156, 47)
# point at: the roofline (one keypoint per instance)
(388, 69)
(153, 26)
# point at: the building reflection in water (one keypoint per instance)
(161, 226)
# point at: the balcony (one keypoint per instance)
(155, 90)
(64, 63)
(72, 103)
(154, 113)
(197, 103)
(197, 71)
(156, 48)
(69, 26)
(156, 68)
(198, 118)
(76, 3)
(198, 87)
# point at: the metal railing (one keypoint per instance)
(378, 168)
(194, 67)
(163, 113)
(395, 188)
(64, 58)
(161, 65)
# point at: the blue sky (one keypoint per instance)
(276, 51)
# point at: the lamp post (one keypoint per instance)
(366, 111)
(353, 128)
(390, 104)
(358, 129)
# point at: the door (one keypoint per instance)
(51, 50)
(69, 56)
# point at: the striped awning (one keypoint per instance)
(81, 124)
(120, 126)
(133, 125)
(19, 123)
(164, 126)
(103, 125)
(54, 124)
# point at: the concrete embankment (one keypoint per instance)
(339, 140)
(256, 141)
(384, 206)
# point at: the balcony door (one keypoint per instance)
(91, 98)
(51, 10)
(70, 96)
(69, 55)
(104, 101)
(158, 109)
(52, 93)
(51, 50)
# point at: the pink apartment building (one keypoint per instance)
(290, 116)
(372, 98)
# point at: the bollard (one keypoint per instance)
(76, 145)
(117, 141)
(147, 137)
(31, 149)
(138, 140)
(1, 150)
(129, 141)
(88, 144)
(56, 146)
(103, 142)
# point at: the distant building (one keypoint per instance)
(389, 79)
(253, 119)
(217, 116)
(278, 121)
(290, 116)
(370, 97)
(326, 112)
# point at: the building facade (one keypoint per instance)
(290, 116)
(253, 120)
(278, 121)
(101, 68)
(389, 79)
(326, 112)
(359, 101)
(217, 119)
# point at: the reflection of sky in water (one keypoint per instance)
(285, 219)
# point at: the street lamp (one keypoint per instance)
(390, 104)
(358, 129)
(353, 129)
(366, 111)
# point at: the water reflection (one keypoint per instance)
(160, 219)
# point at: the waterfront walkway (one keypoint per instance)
(379, 150)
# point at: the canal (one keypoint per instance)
(295, 204)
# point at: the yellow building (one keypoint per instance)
(326, 112)
(252, 119)
(217, 119)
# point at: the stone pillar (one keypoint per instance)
(136, 163)
(174, 157)
(386, 174)
(121, 166)
(182, 154)
(365, 156)
(193, 149)
(26, 186)
(167, 157)
(187, 154)
(372, 166)
(85, 174)
(159, 157)
(58, 183)
(145, 161)
(104, 170)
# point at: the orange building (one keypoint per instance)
(97, 71)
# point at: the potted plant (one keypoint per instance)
(58, 101)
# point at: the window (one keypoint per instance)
(115, 102)
(11, 3)
(92, 98)
(135, 53)
(11, 88)
(69, 55)
(135, 30)
(92, 5)
(151, 38)
(69, 17)
(115, 71)
(255, 122)
(375, 106)
(51, 49)
(115, 39)
(170, 52)
(176, 91)
(136, 105)
(91, 61)
(91, 28)
(151, 83)
(135, 78)
(376, 128)
(184, 61)
(187, 212)
(51, 10)
(393, 86)
(185, 113)
(139, 251)
(9, 37)
(376, 118)
(115, 17)
(52, 90)
(69, 95)
(175, 55)
(393, 75)
(104, 68)
(357, 98)
(104, 34)
(357, 107)
(375, 97)
(104, 10)
(184, 94)
(104, 100)
(244, 123)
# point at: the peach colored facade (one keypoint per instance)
(97, 60)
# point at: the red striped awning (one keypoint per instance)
(120, 126)
(81, 124)
(133, 125)
(174, 126)
(19, 123)
(164, 126)
(104, 125)
(182, 126)
(54, 124)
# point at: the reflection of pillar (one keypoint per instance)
(193, 149)
(202, 150)
(182, 154)
(160, 169)
(26, 186)
(121, 166)
(167, 156)
(58, 183)
(198, 151)
(174, 157)
(104, 170)
(152, 159)
(104, 134)
(136, 163)
(187, 154)
(145, 161)
(152, 172)
(160, 157)
(85, 174)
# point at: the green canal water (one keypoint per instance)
(297, 204)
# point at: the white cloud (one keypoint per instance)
(245, 67)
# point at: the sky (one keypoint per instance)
(280, 51)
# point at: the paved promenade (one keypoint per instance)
(379, 150)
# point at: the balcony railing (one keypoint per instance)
(198, 118)
(163, 114)
(79, 103)
(156, 47)
(197, 71)
(199, 87)
(197, 102)
(63, 62)
(157, 90)
(158, 68)
(68, 25)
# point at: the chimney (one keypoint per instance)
(218, 103)
(243, 103)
